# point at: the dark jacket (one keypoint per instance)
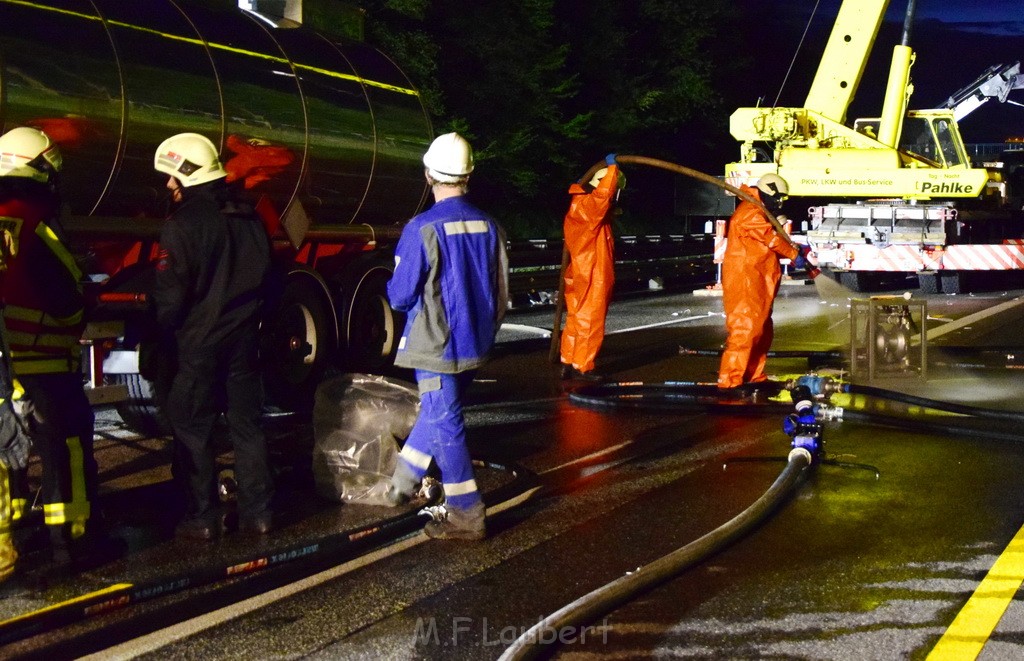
(41, 289)
(213, 267)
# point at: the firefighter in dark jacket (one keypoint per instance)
(43, 312)
(211, 276)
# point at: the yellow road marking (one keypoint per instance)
(967, 635)
(117, 587)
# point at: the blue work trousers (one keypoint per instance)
(440, 434)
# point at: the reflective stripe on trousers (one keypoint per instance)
(76, 512)
(440, 433)
(8, 554)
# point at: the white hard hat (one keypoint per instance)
(449, 158)
(772, 184)
(28, 152)
(190, 158)
(599, 175)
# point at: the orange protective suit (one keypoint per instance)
(591, 271)
(750, 281)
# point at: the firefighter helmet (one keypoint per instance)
(28, 152)
(773, 185)
(599, 175)
(190, 158)
(449, 158)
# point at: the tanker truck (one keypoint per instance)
(325, 134)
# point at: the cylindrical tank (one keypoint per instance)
(334, 126)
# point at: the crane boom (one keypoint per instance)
(846, 55)
(995, 83)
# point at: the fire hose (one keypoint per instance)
(805, 428)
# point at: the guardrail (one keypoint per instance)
(641, 263)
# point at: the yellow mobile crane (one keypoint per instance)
(901, 179)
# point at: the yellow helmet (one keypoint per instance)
(28, 152)
(190, 158)
(449, 158)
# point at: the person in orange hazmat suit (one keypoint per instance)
(750, 281)
(591, 271)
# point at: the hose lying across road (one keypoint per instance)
(589, 607)
(333, 548)
(542, 637)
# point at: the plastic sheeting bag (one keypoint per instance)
(359, 421)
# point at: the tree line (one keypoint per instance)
(543, 89)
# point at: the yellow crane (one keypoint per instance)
(899, 180)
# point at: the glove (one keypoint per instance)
(802, 262)
(609, 160)
(14, 442)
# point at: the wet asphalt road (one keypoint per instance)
(851, 566)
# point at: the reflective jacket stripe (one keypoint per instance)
(41, 341)
(19, 313)
(49, 237)
(27, 366)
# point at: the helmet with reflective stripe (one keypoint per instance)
(190, 158)
(449, 158)
(773, 185)
(28, 152)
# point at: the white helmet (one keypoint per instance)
(190, 158)
(28, 152)
(773, 185)
(449, 158)
(599, 175)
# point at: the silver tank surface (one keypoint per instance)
(336, 126)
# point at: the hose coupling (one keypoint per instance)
(819, 386)
(828, 413)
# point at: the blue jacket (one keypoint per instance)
(451, 278)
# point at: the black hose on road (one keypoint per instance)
(938, 405)
(539, 638)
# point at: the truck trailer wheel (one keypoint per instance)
(140, 411)
(372, 328)
(297, 345)
(929, 283)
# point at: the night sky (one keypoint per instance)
(954, 42)
(992, 16)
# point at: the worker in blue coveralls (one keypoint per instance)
(451, 278)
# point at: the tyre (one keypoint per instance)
(952, 282)
(298, 344)
(851, 280)
(928, 283)
(140, 411)
(372, 328)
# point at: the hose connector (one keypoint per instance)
(819, 386)
(803, 425)
(828, 413)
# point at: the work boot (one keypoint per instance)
(201, 529)
(95, 549)
(455, 523)
(260, 524)
(590, 376)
